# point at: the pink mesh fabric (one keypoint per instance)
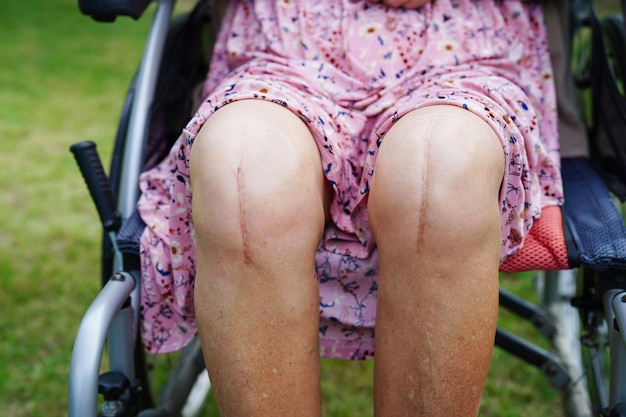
(544, 248)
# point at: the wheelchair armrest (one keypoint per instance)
(109, 10)
(594, 228)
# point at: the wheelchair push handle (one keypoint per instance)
(97, 181)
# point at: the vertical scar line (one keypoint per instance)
(242, 219)
(424, 200)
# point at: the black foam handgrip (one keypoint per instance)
(98, 184)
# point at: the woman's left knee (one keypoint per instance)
(436, 166)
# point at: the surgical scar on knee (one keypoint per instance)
(423, 199)
(242, 219)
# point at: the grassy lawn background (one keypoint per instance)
(62, 80)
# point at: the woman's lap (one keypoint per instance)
(347, 269)
(349, 163)
(348, 134)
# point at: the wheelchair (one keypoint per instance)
(582, 307)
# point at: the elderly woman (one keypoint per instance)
(409, 143)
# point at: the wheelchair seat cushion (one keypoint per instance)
(544, 248)
(349, 97)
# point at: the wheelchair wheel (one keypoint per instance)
(613, 30)
(608, 99)
(574, 299)
(594, 345)
(609, 72)
(595, 361)
(175, 385)
(576, 303)
(556, 290)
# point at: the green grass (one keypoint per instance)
(62, 80)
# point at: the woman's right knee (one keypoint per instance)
(255, 172)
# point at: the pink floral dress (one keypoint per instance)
(349, 69)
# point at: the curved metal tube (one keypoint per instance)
(144, 93)
(90, 341)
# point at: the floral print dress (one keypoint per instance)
(349, 69)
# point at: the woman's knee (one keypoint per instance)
(439, 169)
(255, 172)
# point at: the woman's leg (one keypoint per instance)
(434, 210)
(258, 211)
